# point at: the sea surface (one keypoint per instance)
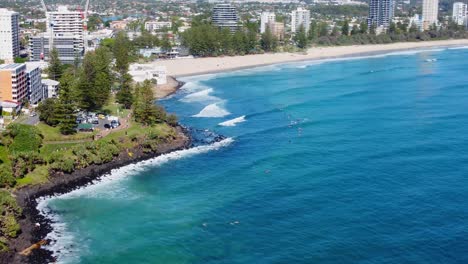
(361, 160)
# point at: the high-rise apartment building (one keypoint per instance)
(9, 35)
(67, 32)
(69, 47)
(265, 18)
(459, 13)
(225, 16)
(380, 14)
(430, 11)
(13, 82)
(300, 17)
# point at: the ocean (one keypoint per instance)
(357, 160)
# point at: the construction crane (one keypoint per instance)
(85, 25)
(51, 33)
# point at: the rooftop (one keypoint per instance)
(12, 66)
(49, 82)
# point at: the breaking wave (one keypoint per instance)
(233, 122)
(212, 110)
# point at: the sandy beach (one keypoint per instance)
(188, 67)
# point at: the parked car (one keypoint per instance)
(114, 124)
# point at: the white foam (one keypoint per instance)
(63, 248)
(457, 48)
(201, 96)
(233, 122)
(212, 110)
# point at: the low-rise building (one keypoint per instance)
(277, 29)
(50, 88)
(13, 82)
(157, 25)
(142, 72)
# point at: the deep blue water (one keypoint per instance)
(347, 161)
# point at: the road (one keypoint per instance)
(30, 120)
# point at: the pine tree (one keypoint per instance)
(355, 30)
(363, 26)
(125, 95)
(121, 51)
(55, 65)
(345, 28)
(145, 111)
(300, 38)
(64, 108)
(313, 31)
(268, 41)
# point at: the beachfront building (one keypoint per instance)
(34, 82)
(277, 29)
(380, 14)
(50, 88)
(225, 16)
(13, 82)
(429, 13)
(152, 26)
(459, 13)
(300, 17)
(265, 19)
(142, 72)
(9, 35)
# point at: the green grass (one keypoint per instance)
(115, 109)
(25, 138)
(53, 134)
(48, 149)
(4, 155)
(38, 176)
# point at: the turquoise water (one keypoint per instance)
(346, 161)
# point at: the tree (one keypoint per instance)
(46, 111)
(355, 30)
(95, 80)
(121, 50)
(323, 29)
(145, 111)
(372, 29)
(345, 28)
(313, 31)
(268, 41)
(363, 26)
(55, 65)
(124, 95)
(166, 44)
(300, 38)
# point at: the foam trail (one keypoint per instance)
(212, 110)
(63, 240)
(457, 48)
(201, 96)
(233, 122)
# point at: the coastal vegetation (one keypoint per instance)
(29, 154)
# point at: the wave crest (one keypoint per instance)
(212, 110)
(233, 122)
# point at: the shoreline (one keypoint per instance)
(211, 65)
(165, 90)
(60, 183)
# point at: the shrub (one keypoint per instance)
(6, 176)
